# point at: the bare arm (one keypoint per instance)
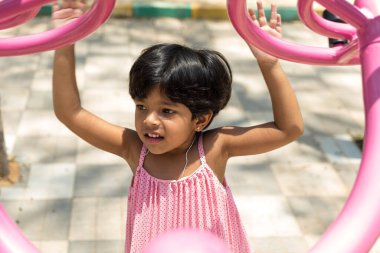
(288, 122)
(68, 109)
(67, 104)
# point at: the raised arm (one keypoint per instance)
(288, 124)
(66, 98)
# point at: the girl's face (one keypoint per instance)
(162, 125)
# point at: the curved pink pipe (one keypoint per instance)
(12, 240)
(321, 25)
(282, 49)
(346, 11)
(19, 19)
(11, 8)
(76, 30)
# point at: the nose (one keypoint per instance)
(152, 119)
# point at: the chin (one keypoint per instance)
(154, 149)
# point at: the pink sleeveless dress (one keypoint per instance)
(198, 201)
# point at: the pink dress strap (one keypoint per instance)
(143, 153)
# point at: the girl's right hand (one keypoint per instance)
(68, 11)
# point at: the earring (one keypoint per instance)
(198, 129)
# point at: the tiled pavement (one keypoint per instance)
(72, 197)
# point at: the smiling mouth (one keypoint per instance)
(153, 138)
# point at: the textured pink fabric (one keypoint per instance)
(198, 201)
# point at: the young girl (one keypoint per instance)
(179, 166)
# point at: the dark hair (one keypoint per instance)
(199, 79)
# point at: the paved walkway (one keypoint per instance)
(72, 197)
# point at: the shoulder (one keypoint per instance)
(220, 137)
(216, 140)
(214, 148)
(234, 141)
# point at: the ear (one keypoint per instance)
(202, 121)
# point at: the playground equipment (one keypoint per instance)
(12, 239)
(16, 12)
(357, 227)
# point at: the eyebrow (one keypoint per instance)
(164, 102)
(170, 103)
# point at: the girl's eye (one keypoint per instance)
(167, 111)
(140, 107)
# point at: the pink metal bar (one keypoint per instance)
(285, 50)
(346, 11)
(321, 25)
(76, 30)
(19, 19)
(12, 240)
(10, 8)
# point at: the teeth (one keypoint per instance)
(154, 135)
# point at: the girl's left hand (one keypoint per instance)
(67, 12)
(273, 28)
